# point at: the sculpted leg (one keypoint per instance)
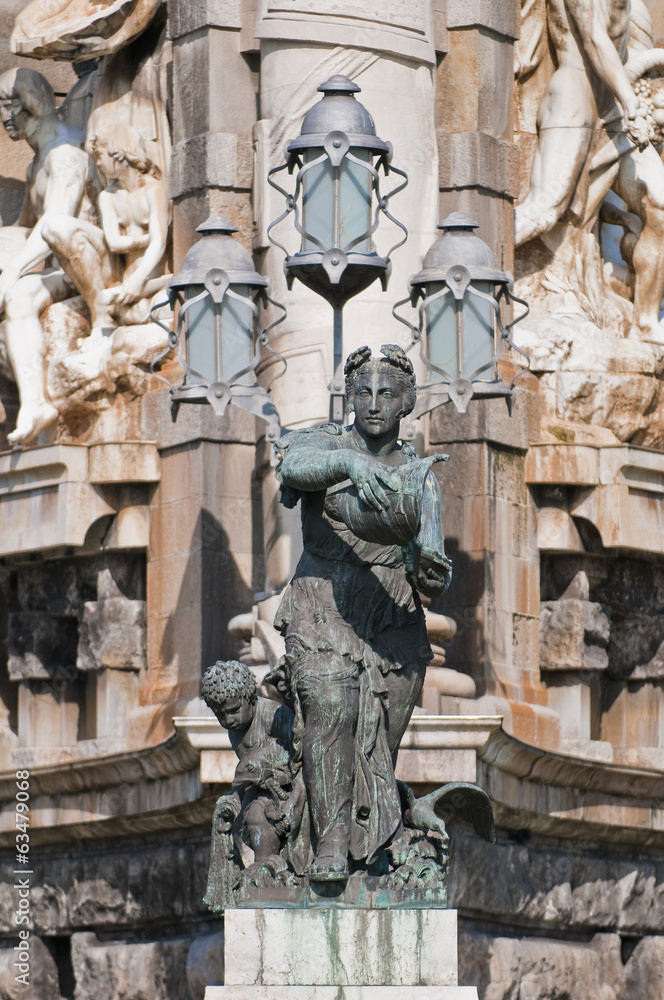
(403, 688)
(640, 183)
(565, 128)
(82, 253)
(328, 688)
(27, 352)
(263, 837)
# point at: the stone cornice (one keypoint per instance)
(552, 793)
(174, 756)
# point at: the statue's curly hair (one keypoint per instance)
(228, 679)
(397, 359)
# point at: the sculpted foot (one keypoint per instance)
(31, 422)
(329, 870)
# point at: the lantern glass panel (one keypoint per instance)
(354, 202)
(478, 331)
(200, 352)
(220, 362)
(441, 326)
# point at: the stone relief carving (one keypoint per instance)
(589, 108)
(57, 181)
(80, 29)
(592, 136)
(97, 207)
(315, 795)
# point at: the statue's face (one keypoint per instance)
(15, 118)
(378, 401)
(235, 713)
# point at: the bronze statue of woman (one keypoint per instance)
(356, 640)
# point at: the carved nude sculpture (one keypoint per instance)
(117, 267)
(56, 183)
(576, 164)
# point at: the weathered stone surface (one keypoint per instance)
(185, 16)
(157, 880)
(214, 159)
(205, 964)
(474, 158)
(117, 970)
(43, 973)
(573, 635)
(40, 645)
(112, 634)
(644, 978)
(537, 886)
(630, 405)
(540, 969)
(273, 947)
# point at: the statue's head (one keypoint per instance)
(26, 98)
(229, 689)
(381, 390)
(112, 146)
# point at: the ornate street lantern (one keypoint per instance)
(461, 332)
(218, 335)
(337, 203)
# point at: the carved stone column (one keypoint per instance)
(474, 119)
(215, 83)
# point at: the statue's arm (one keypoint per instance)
(316, 464)
(590, 19)
(133, 287)
(116, 241)
(66, 170)
(428, 568)
(27, 217)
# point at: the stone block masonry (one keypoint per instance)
(340, 953)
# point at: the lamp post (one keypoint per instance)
(217, 334)
(337, 205)
(460, 330)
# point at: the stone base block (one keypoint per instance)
(341, 993)
(345, 947)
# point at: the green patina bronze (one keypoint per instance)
(315, 795)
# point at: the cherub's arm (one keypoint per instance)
(133, 288)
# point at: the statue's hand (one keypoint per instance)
(228, 807)
(123, 295)
(370, 479)
(427, 571)
(639, 129)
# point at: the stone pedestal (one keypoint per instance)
(337, 952)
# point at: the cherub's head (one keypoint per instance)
(229, 689)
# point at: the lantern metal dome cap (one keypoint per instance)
(217, 249)
(458, 245)
(339, 84)
(338, 111)
(217, 224)
(458, 220)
